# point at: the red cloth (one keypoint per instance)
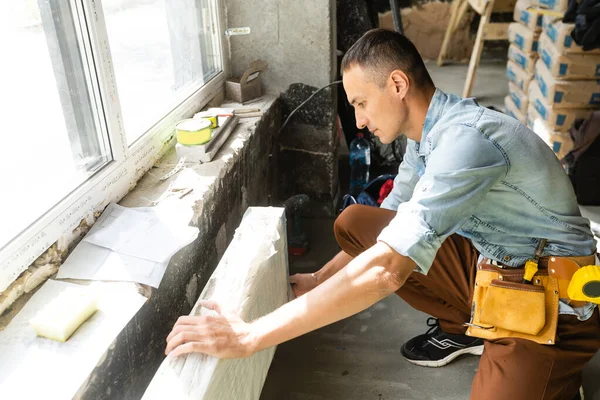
(385, 190)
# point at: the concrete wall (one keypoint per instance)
(296, 38)
(308, 149)
(298, 41)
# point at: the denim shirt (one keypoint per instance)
(485, 176)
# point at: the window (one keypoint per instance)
(91, 91)
(52, 137)
(161, 50)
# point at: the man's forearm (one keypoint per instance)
(370, 277)
(336, 264)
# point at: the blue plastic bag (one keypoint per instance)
(370, 194)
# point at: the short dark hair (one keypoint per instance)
(381, 51)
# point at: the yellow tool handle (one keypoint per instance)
(531, 268)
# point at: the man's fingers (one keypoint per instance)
(189, 323)
(180, 338)
(187, 336)
(195, 319)
(188, 320)
(177, 329)
(184, 349)
(294, 279)
(211, 305)
(192, 347)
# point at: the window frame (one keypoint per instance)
(130, 162)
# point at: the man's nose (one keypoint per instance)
(361, 121)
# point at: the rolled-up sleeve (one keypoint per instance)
(460, 170)
(405, 181)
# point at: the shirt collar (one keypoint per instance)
(434, 113)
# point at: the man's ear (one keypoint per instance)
(401, 83)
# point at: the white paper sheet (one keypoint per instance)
(142, 234)
(130, 244)
(90, 262)
(33, 367)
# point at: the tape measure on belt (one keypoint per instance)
(585, 284)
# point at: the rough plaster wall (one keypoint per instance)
(425, 25)
(46, 265)
(308, 145)
(296, 39)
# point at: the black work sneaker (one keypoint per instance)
(437, 348)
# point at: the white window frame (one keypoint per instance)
(113, 181)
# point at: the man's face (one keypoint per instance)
(380, 109)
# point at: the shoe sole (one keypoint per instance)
(475, 350)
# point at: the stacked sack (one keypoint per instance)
(566, 85)
(523, 36)
(552, 81)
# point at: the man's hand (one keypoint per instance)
(303, 283)
(224, 335)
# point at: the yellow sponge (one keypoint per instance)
(64, 314)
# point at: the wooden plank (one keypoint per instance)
(252, 279)
(495, 31)
(479, 5)
(457, 10)
(476, 54)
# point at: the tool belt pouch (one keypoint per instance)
(504, 307)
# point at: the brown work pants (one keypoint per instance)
(509, 369)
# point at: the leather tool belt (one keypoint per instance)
(504, 307)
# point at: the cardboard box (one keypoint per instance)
(513, 111)
(528, 15)
(246, 87)
(560, 34)
(524, 60)
(568, 66)
(560, 142)
(518, 76)
(519, 97)
(555, 5)
(566, 94)
(559, 120)
(523, 37)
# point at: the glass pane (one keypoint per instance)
(51, 142)
(162, 51)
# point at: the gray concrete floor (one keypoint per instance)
(359, 358)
